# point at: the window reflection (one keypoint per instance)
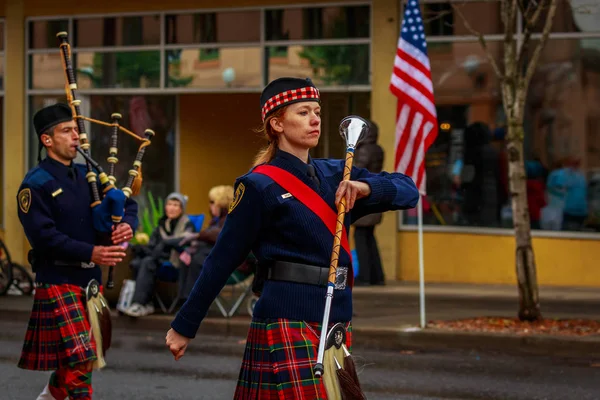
(42, 34)
(117, 31)
(325, 65)
(467, 166)
(135, 69)
(214, 68)
(46, 71)
(218, 27)
(318, 23)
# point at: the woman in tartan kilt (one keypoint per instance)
(292, 244)
(54, 209)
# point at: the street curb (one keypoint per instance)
(385, 339)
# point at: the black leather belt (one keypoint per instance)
(76, 264)
(298, 273)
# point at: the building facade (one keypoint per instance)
(193, 71)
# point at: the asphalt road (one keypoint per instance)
(140, 367)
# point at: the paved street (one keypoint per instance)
(141, 368)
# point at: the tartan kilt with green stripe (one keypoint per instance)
(278, 361)
(58, 333)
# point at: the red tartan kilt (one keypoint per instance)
(279, 359)
(58, 333)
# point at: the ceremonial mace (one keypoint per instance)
(353, 129)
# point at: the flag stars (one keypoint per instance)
(415, 37)
(412, 29)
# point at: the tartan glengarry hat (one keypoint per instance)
(284, 91)
(50, 116)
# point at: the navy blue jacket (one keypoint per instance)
(55, 212)
(276, 227)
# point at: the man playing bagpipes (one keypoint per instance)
(69, 326)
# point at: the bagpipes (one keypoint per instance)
(108, 207)
(332, 344)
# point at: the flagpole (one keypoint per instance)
(421, 262)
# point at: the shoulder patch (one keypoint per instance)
(237, 197)
(24, 199)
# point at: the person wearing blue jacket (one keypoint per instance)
(54, 208)
(292, 244)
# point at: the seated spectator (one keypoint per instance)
(162, 247)
(200, 244)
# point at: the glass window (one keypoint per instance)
(132, 69)
(442, 19)
(117, 31)
(219, 27)
(467, 177)
(46, 71)
(215, 68)
(42, 34)
(1, 71)
(562, 136)
(573, 16)
(325, 65)
(318, 23)
(139, 113)
(466, 91)
(1, 35)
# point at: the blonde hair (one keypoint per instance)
(268, 153)
(221, 195)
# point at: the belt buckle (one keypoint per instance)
(88, 265)
(341, 278)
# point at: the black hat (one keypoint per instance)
(284, 91)
(50, 116)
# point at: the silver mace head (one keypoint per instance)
(353, 129)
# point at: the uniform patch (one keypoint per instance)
(57, 192)
(237, 197)
(25, 200)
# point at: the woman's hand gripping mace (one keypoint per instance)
(352, 129)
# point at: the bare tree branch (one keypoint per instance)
(530, 23)
(482, 41)
(538, 50)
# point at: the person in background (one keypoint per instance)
(369, 155)
(198, 245)
(162, 247)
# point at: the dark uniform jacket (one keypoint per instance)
(54, 209)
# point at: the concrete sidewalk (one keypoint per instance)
(387, 317)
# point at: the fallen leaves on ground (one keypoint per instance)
(559, 327)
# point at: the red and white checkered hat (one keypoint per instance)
(284, 91)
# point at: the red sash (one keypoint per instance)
(307, 196)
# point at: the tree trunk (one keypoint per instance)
(529, 307)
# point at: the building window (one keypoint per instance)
(467, 166)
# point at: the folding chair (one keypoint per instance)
(239, 287)
(168, 273)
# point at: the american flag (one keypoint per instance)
(416, 117)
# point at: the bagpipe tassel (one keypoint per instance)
(136, 186)
(100, 322)
(341, 383)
